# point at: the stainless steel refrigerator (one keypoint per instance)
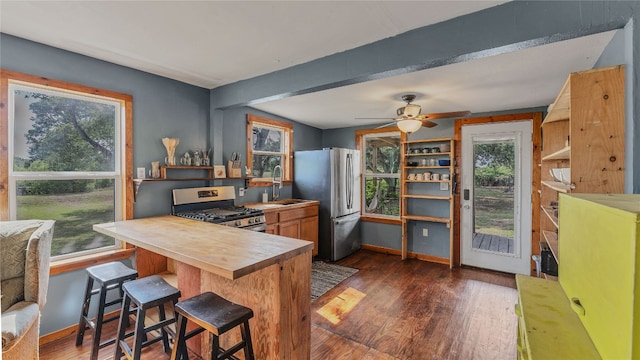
(332, 176)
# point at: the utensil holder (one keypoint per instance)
(233, 172)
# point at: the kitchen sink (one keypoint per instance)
(268, 205)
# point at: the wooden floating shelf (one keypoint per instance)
(428, 181)
(429, 154)
(426, 167)
(562, 154)
(427, 218)
(444, 140)
(549, 212)
(552, 240)
(428, 197)
(557, 186)
(560, 110)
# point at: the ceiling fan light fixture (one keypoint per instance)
(409, 125)
(411, 111)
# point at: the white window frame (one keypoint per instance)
(363, 167)
(119, 157)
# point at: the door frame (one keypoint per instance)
(536, 118)
(520, 134)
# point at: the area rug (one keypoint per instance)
(325, 276)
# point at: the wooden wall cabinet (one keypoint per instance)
(420, 157)
(583, 132)
(299, 222)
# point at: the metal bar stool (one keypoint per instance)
(146, 293)
(216, 315)
(109, 276)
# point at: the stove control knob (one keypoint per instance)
(252, 220)
(238, 223)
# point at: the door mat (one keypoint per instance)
(325, 277)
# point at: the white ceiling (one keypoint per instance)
(212, 43)
(518, 80)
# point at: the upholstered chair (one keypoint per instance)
(25, 247)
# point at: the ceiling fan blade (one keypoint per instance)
(427, 123)
(447, 115)
(385, 125)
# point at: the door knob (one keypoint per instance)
(467, 207)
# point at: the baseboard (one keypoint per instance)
(413, 255)
(64, 332)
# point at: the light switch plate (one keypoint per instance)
(444, 186)
(241, 191)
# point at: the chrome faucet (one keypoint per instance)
(276, 180)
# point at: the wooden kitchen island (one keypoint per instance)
(270, 274)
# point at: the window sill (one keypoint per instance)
(82, 262)
(381, 220)
(267, 183)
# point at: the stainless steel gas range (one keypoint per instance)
(216, 205)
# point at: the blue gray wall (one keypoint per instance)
(161, 107)
(233, 137)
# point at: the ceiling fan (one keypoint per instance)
(410, 120)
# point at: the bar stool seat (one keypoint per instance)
(216, 315)
(109, 276)
(145, 294)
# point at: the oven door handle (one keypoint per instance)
(259, 228)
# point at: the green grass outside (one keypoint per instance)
(75, 215)
(494, 211)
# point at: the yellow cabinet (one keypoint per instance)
(595, 305)
(548, 328)
(600, 268)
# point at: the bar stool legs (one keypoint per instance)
(216, 315)
(146, 293)
(109, 276)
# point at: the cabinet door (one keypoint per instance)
(309, 231)
(272, 229)
(290, 229)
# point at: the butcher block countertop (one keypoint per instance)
(221, 250)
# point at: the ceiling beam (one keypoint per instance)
(502, 29)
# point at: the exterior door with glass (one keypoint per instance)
(496, 196)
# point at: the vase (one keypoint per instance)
(155, 169)
(170, 144)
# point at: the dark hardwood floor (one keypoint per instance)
(393, 309)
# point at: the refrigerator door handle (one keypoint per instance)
(349, 181)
